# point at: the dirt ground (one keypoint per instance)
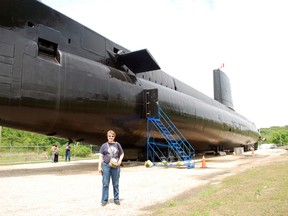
(74, 188)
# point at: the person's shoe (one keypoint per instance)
(117, 202)
(103, 203)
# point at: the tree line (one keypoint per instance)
(26, 141)
(276, 134)
(13, 137)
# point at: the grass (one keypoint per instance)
(259, 191)
(14, 158)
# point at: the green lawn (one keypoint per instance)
(259, 191)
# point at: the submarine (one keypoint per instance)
(60, 78)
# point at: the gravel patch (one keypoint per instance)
(74, 188)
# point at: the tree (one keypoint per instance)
(280, 137)
(23, 138)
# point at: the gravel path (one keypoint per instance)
(74, 188)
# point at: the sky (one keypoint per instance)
(191, 38)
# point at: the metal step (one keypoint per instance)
(176, 142)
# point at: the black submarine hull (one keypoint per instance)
(58, 78)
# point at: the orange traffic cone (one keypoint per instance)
(203, 162)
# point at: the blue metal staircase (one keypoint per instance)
(165, 143)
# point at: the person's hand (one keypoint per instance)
(100, 171)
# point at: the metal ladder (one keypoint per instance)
(175, 143)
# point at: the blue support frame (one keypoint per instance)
(172, 142)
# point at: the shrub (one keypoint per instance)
(80, 151)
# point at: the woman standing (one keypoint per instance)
(56, 152)
(53, 149)
(110, 151)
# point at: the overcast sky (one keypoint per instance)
(190, 38)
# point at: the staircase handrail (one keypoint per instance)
(180, 136)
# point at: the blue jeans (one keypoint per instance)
(67, 156)
(115, 175)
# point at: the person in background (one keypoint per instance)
(53, 153)
(110, 151)
(67, 152)
(56, 152)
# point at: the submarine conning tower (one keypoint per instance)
(222, 88)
